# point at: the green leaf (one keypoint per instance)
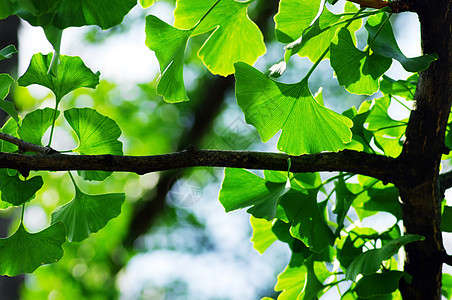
(35, 125)
(446, 287)
(358, 71)
(146, 3)
(348, 251)
(6, 9)
(24, 252)
(361, 136)
(17, 191)
(307, 222)
(263, 236)
(306, 181)
(73, 74)
(235, 36)
(87, 214)
(307, 126)
(385, 44)
(97, 134)
(103, 13)
(369, 262)
(5, 83)
(8, 51)
(305, 39)
(375, 200)
(242, 188)
(446, 220)
(169, 44)
(11, 128)
(378, 284)
(401, 88)
(291, 282)
(344, 199)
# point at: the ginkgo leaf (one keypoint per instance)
(72, 74)
(370, 261)
(5, 83)
(242, 188)
(359, 72)
(35, 124)
(307, 126)
(6, 9)
(402, 88)
(17, 191)
(8, 51)
(235, 36)
(146, 3)
(385, 44)
(307, 223)
(304, 38)
(11, 128)
(378, 284)
(263, 236)
(24, 252)
(87, 214)
(169, 44)
(97, 134)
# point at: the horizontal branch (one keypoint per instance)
(377, 166)
(26, 146)
(397, 6)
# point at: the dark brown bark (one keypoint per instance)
(420, 160)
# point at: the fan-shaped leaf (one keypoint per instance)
(35, 124)
(5, 83)
(17, 191)
(307, 126)
(263, 236)
(8, 51)
(23, 252)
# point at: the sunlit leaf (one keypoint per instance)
(35, 124)
(72, 74)
(5, 82)
(97, 134)
(307, 126)
(446, 287)
(307, 222)
(370, 261)
(263, 236)
(17, 191)
(378, 284)
(242, 188)
(23, 252)
(385, 44)
(87, 214)
(169, 44)
(146, 3)
(8, 51)
(359, 72)
(235, 36)
(291, 283)
(375, 200)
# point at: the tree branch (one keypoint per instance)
(377, 166)
(397, 6)
(371, 3)
(26, 146)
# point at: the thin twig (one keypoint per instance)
(26, 146)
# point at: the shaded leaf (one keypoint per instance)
(242, 188)
(361, 136)
(307, 222)
(369, 262)
(446, 220)
(17, 191)
(402, 88)
(97, 134)
(307, 126)
(73, 74)
(235, 36)
(6, 9)
(11, 128)
(263, 236)
(87, 214)
(378, 284)
(344, 199)
(5, 82)
(375, 200)
(169, 44)
(358, 71)
(8, 51)
(385, 44)
(23, 252)
(35, 125)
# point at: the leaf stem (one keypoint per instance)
(377, 33)
(53, 121)
(73, 181)
(403, 104)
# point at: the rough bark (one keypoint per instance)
(421, 156)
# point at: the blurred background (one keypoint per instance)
(173, 239)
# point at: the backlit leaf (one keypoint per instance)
(263, 236)
(35, 125)
(72, 74)
(235, 36)
(87, 214)
(5, 82)
(402, 88)
(8, 51)
(242, 188)
(169, 44)
(359, 72)
(97, 134)
(385, 44)
(307, 126)
(23, 252)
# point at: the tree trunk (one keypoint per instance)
(421, 155)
